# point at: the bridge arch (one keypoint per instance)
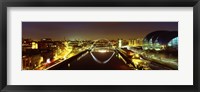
(93, 47)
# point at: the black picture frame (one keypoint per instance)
(98, 3)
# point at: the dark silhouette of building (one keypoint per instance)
(161, 40)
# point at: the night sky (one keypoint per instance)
(93, 30)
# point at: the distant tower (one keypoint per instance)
(119, 43)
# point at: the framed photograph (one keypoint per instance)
(101, 45)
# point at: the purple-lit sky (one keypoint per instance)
(93, 30)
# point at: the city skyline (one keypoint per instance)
(93, 30)
(100, 46)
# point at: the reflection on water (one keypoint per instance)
(99, 61)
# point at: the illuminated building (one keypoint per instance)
(119, 43)
(173, 43)
(161, 40)
(34, 45)
(135, 42)
(26, 44)
(46, 43)
(73, 43)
